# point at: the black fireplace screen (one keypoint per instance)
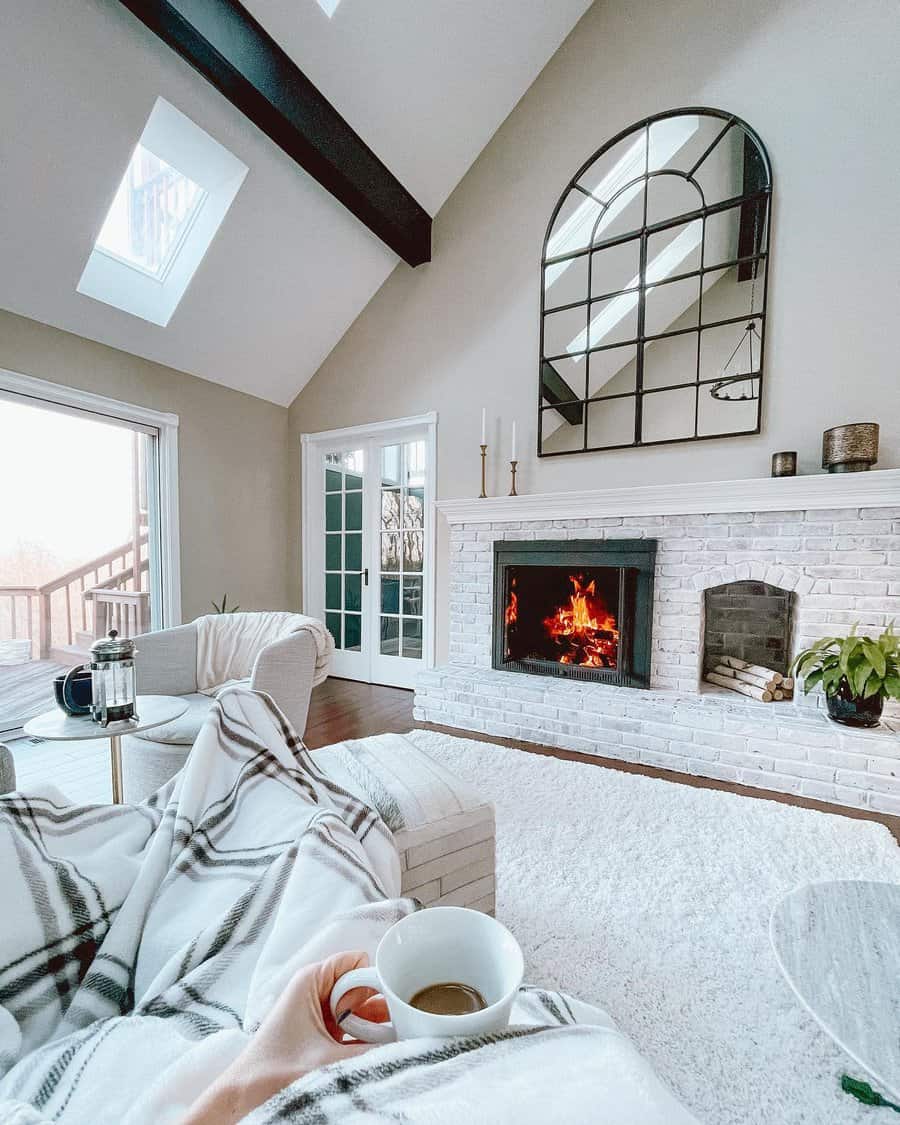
(578, 609)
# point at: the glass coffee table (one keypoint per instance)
(838, 945)
(153, 711)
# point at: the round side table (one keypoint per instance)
(153, 711)
(838, 946)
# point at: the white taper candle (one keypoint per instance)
(484, 425)
(513, 454)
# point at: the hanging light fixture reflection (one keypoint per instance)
(742, 385)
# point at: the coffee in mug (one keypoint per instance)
(443, 971)
(450, 998)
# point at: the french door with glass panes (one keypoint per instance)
(368, 565)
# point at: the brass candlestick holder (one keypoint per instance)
(483, 493)
(512, 466)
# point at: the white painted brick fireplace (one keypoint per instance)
(834, 541)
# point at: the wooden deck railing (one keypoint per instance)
(79, 594)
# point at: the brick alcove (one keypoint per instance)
(750, 620)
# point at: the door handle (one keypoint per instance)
(366, 576)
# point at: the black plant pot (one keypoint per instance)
(852, 710)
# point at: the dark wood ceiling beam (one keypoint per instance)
(223, 41)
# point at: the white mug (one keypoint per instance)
(434, 946)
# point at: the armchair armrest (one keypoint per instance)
(285, 670)
(166, 662)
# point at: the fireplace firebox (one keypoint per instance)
(579, 608)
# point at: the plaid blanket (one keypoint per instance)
(142, 945)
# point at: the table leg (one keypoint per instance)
(115, 761)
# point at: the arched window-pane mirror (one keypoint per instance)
(653, 297)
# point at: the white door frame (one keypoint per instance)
(312, 443)
(71, 400)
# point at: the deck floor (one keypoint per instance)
(26, 690)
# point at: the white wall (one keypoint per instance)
(819, 81)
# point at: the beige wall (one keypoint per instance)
(819, 81)
(232, 460)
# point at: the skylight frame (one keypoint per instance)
(175, 140)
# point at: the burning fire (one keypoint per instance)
(512, 606)
(584, 629)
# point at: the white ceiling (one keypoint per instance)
(426, 84)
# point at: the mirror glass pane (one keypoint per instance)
(616, 268)
(732, 292)
(565, 332)
(672, 307)
(730, 350)
(612, 371)
(562, 432)
(614, 321)
(671, 360)
(671, 194)
(715, 417)
(669, 415)
(611, 422)
(565, 282)
(731, 169)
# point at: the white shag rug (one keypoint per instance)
(652, 899)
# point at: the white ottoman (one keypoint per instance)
(443, 830)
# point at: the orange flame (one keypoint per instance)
(512, 606)
(584, 628)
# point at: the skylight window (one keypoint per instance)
(153, 210)
(170, 203)
(329, 7)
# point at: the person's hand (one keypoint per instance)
(297, 1036)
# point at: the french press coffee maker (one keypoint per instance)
(112, 679)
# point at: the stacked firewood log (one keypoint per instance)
(752, 680)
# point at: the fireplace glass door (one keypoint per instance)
(578, 609)
(566, 616)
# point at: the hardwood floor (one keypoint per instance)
(343, 709)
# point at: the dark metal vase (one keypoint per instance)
(852, 710)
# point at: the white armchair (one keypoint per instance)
(166, 664)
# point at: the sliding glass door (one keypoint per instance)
(80, 542)
(368, 567)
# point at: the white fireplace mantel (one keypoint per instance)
(875, 489)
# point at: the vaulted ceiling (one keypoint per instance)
(424, 84)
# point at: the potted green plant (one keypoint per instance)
(225, 607)
(857, 674)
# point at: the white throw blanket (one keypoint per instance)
(229, 643)
(142, 945)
